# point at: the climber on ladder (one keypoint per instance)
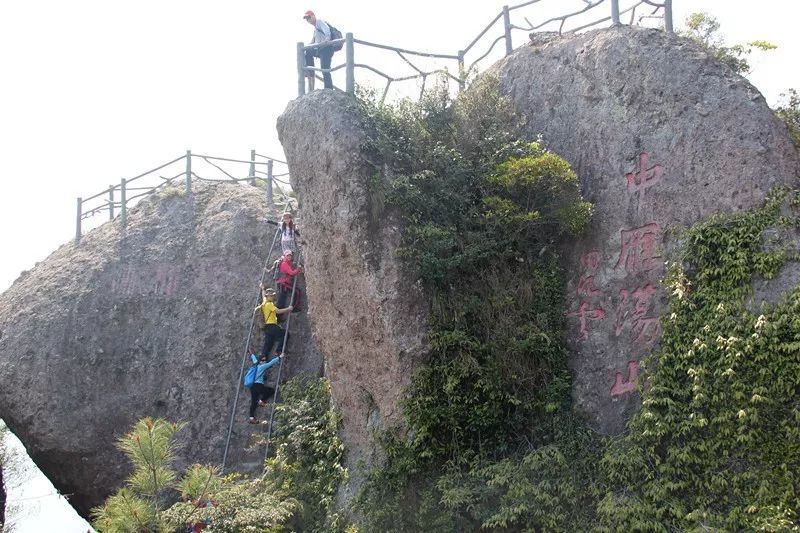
(286, 281)
(259, 392)
(272, 331)
(289, 233)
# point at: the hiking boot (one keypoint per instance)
(252, 420)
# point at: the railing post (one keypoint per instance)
(507, 26)
(668, 16)
(252, 174)
(461, 74)
(350, 68)
(188, 171)
(301, 69)
(123, 209)
(110, 202)
(270, 200)
(615, 12)
(78, 221)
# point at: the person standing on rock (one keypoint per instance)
(272, 331)
(285, 282)
(323, 33)
(260, 393)
(289, 233)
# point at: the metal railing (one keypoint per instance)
(454, 67)
(117, 199)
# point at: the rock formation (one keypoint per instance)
(661, 136)
(150, 319)
(2, 497)
(368, 315)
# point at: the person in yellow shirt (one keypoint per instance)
(272, 331)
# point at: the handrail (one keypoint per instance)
(86, 207)
(463, 73)
(403, 50)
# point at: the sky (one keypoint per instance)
(96, 90)
(33, 503)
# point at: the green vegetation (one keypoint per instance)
(789, 113)
(704, 29)
(309, 457)
(716, 446)
(295, 493)
(484, 214)
(489, 441)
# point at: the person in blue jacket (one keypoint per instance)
(260, 393)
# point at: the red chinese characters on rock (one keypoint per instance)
(632, 310)
(589, 263)
(624, 386)
(642, 179)
(586, 315)
(638, 248)
(588, 311)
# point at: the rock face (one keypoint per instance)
(661, 136)
(368, 316)
(149, 320)
(2, 498)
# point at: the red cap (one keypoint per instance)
(308, 14)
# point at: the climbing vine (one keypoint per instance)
(716, 445)
(490, 442)
(484, 214)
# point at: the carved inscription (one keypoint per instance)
(626, 385)
(163, 280)
(638, 248)
(632, 299)
(642, 179)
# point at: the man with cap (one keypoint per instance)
(322, 34)
(272, 331)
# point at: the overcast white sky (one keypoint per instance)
(96, 90)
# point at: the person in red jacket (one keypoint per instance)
(287, 275)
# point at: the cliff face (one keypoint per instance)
(368, 315)
(150, 320)
(661, 136)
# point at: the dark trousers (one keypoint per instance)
(259, 391)
(273, 333)
(324, 54)
(285, 292)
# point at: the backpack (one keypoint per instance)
(335, 35)
(250, 377)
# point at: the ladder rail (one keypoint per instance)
(246, 350)
(280, 364)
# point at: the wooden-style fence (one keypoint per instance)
(458, 67)
(118, 198)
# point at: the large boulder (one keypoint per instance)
(368, 314)
(150, 319)
(661, 136)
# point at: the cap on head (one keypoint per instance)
(287, 253)
(269, 292)
(309, 14)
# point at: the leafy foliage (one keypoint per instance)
(716, 445)
(144, 503)
(309, 455)
(704, 29)
(789, 113)
(483, 216)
